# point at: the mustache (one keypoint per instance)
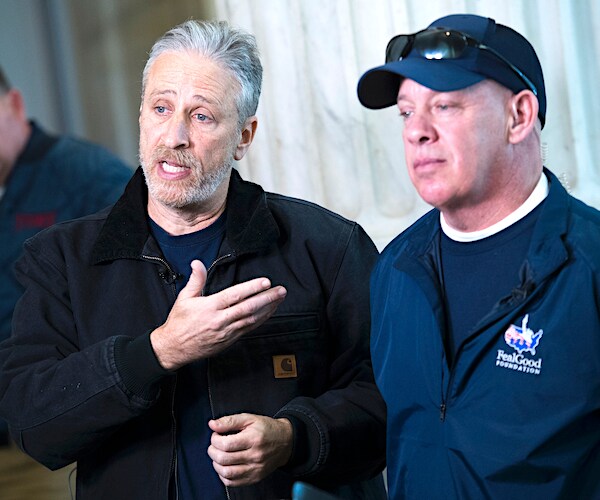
(182, 158)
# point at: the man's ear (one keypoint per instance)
(246, 137)
(524, 109)
(17, 104)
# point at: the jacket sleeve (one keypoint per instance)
(342, 432)
(60, 401)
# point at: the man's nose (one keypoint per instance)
(177, 134)
(418, 129)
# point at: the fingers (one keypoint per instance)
(235, 459)
(236, 475)
(228, 435)
(231, 451)
(230, 423)
(229, 458)
(253, 446)
(195, 284)
(199, 327)
(251, 310)
(242, 291)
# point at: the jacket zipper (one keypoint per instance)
(170, 279)
(212, 409)
(212, 266)
(174, 427)
(436, 274)
(443, 392)
(446, 390)
(172, 275)
(210, 399)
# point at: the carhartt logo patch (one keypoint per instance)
(284, 366)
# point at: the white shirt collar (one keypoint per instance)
(535, 198)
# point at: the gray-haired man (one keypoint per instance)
(202, 338)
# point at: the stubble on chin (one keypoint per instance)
(195, 189)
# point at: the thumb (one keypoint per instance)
(195, 284)
(229, 424)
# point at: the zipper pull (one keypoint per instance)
(443, 412)
(169, 276)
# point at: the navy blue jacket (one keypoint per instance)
(518, 415)
(80, 382)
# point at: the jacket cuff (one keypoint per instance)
(138, 367)
(306, 447)
(299, 445)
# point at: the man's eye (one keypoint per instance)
(405, 114)
(160, 109)
(200, 117)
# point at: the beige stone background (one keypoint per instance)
(78, 62)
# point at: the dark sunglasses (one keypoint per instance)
(440, 43)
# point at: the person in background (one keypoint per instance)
(485, 312)
(202, 338)
(44, 179)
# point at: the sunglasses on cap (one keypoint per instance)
(441, 43)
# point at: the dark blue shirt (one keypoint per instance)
(196, 477)
(477, 274)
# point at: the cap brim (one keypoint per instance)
(378, 87)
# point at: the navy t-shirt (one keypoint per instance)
(196, 477)
(477, 274)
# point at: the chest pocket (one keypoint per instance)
(284, 358)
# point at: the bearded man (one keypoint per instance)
(201, 338)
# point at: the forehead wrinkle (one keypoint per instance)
(196, 79)
(171, 92)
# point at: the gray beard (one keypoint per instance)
(180, 195)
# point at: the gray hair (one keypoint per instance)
(234, 49)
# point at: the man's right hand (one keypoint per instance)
(200, 327)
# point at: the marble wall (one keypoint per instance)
(315, 140)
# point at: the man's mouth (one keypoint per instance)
(426, 162)
(171, 168)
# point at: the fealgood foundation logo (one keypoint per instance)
(523, 340)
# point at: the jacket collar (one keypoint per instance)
(38, 145)
(547, 250)
(250, 225)
(546, 253)
(419, 255)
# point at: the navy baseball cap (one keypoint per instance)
(471, 49)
